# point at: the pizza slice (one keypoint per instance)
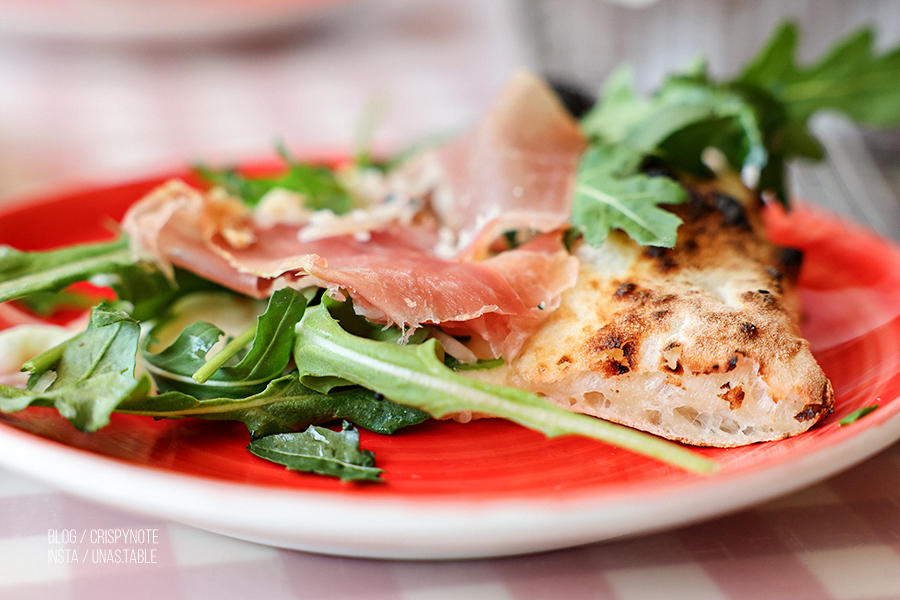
(699, 343)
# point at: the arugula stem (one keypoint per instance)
(543, 417)
(415, 376)
(25, 273)
(215, 362)
(49, 358)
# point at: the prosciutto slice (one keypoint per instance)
(391, 277)
(170, 226)
(539, 272)
(514, 170)
(393, 281)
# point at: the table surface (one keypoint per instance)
(90, 107)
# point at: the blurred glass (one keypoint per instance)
(583, 40)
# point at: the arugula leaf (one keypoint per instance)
(172, 368)
(850, 78)
(23, 273)
(687, 115)
(415, 375)
(285, 405)
(148, 292)
(858, 414)
(322, 451)
(319, 186)
(44, 304)
(610, 194)
(619, 109)
(684, 102)
(94, 373)
(143, 290)
(481, 363)
(265, 360)
(758, 120)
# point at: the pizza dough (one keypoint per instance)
(699, 343)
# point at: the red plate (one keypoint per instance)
(489, 487)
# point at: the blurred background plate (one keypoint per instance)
(157, 20)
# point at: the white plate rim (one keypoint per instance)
(417, 528)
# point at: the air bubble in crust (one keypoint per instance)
(654, 417)
(729, 426)
(597, 399)
(692, 416)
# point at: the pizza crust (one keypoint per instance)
(700, 343)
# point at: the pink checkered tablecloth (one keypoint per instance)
(838, 540)
(76, 111)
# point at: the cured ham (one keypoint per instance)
(167, 228)
(392, 276)
(499, 177)
(501, 302)
(514, 170)
(539, 272)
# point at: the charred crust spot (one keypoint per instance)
(790, 260)
(764, 297)
(749, 331)
(668, 357)
(667, 299)
(625, 290)
(733, 396)
(659, 315)
(629, 350)
(612, 368)
(732, 364)
(613, 340)
(617, 354)
(698, 205)
(731, 210)
(667, 264)
(810, 412)
(564, 359)
(677, 370)
(654, 166)
(662, 257)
